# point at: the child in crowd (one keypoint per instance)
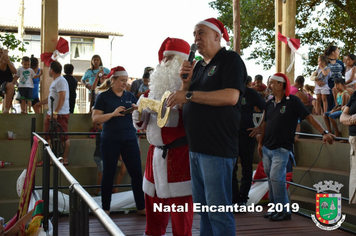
(309, 91)
(25, 85)
(36, 84)
(321, 84)
(144, 86)
(341, 99)
(350, 78)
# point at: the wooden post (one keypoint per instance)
(236, 23)
(285, 24)
(49, 39)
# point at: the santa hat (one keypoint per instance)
(117, 71)
(217, 26)
(284, 79)
(173, 46)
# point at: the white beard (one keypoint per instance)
(165, 78)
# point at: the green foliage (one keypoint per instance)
(10, 42)
(319, 24)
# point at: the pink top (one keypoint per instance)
(293, 90)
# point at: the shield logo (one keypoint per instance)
(328, 208)
(283, 109)
(243, 101)
(212, 71)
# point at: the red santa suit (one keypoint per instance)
(167, 178)
(167, 182)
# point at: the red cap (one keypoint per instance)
(217, 26)
(117, 71)
(173, 46)
(284, 79)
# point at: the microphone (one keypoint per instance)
(193, 49)
(52, 98)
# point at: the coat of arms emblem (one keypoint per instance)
(328, 206)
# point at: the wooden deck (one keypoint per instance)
(246, 224)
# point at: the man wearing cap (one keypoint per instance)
(167, 175)
(135, 85)
(211, 115)
(277, 138)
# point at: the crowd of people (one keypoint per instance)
(193, 158)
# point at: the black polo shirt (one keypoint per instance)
(250, 99)
(120, 127)
(352, 105)
(213, 130)
(282, 119)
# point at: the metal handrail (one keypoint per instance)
(104, 219)
(319, 136)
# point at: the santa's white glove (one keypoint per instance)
(137, 121)
(136, 117)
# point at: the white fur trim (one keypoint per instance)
(159, 167)
(153, 132)
(210, 25)
(173, 118)
(163, 188)
(278, 78)
(120, 73)
(148, 187)
(168, 52)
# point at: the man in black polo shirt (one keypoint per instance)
(277, 139)
(211, 115)
(250, 99)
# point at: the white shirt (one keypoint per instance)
(58, 85)
(25, 77)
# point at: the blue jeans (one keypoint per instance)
(275, 163)
(211, 186)
(333, 115)
(130, 152)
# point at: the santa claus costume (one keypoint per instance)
(166, 181)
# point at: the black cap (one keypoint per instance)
(148, 69)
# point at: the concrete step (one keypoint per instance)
(18, 151)
(309, 177)
(80, 153)
(310, 152)
(20, 124)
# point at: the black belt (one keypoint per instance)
(176, 143)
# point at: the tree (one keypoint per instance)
(10, 42)
(319, 24)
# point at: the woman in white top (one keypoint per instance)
(350, 78)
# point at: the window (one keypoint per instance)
(81, 48)
(34, 44)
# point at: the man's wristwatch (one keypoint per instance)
(189, 96)
(55, 112)
(325, 132)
